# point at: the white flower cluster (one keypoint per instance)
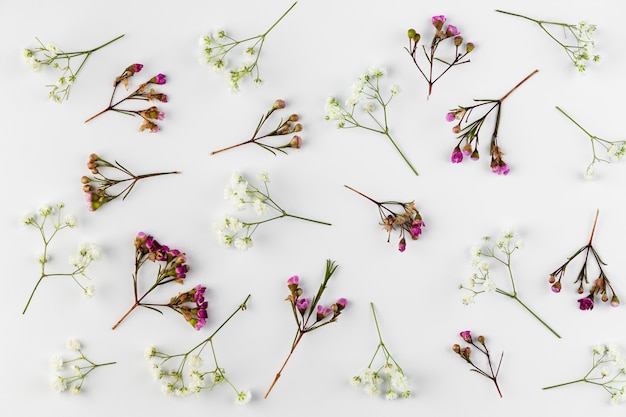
(47, 55)
(75, 374)
(583, 53)
(389, 381)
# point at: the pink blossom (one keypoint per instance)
(450, 117)
(501, 169)
(416, 227)
(137, 67)
(586, 303)
(158, 79)
(402, 245)
(452, 31)
(341, 303)
(322, 312)
(457, 155)
(438, 21)
(302, 304)
(466, 335)
(294, 280)
(614, 301)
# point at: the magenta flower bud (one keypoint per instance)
(585, 303)
(469, 47)
(136, 67)
(452, 31)
(450, 117)
(614, 301)
(322, 312)
(475, 156)
(294, 280)
(341, 304)
(438, 21)
(466, 335)
(457, 155)
(416, 227)
(402, 245)
(158, 79)
(302, 304)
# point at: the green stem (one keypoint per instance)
(279, 19)
(516, 298)
(401, 153)
(565, 383)
(574, 121)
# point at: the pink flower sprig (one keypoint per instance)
(409, 221)
(308, 313)
(144, 93)
(96, 188)
(172, 268)
(441, 34)
(468, 134)
(600, 284)
(187, 374)
(465, 354)
(285, 127)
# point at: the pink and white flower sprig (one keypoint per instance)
(601, 285)
(367, 96)
(308, 313)
(441, 34)
(145, 92)
(75, 370)
(285, 127)
(96, 188)
(172, 268)
(409, 221)
(481, 281)
(188, 375)
(389, 374)
(49, 222)
(242, 194)
(468, 134)
(466, 352)
(51, 55)
(608, 370)
(615, 150)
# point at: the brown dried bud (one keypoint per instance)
(279, 104)
(85, 180)
(87, 188)
(605, 297)
(297, 127)
(551, 279)
(293, 118)
(95, 171)
(92, 165)
(296, 142)
(456, 348)
(481, 340)
(93, 157)
(458, 40)
(456, 129)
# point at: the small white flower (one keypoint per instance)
(76, 370)
(157, 372)
(75, 390)
(58, 383)
(70, 220)
(243, 243)
(51, 47)
(369, 107)
(45, 210)
(355, 381)
(366, 375)
(395, 90)
(90, 291)
(471, 281)
(371, 389)
(149, 352)
(263, 176)
(56, 363)
(484, 266)
(243, 397)
(589, 172)
(599, 349)
(399, 382)
(168, 388)
(468, 299)
(519, 244)
(391, 395)
(182, 392)
(195, 362)
(489, 285)
(260, 207)
(508, 234)
(28, 218)
(604, 372)
(73, 344)
(377, 71)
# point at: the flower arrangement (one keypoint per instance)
(172, 268)
(216, 49)
(285, 127)
(615, 150)
(600, 284)
(466, 352)
(389, 373)
(409, 221)
(144, 92)
(608, 370)
(580, 53)
(51, 55)
(234, 232)
(308, 313)
(450, 32)
(188, 376)
(481, 282)
(366, 93)
(78, 367)
(468, 134)
(49, 222)
(96, 187)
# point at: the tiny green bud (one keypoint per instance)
(411, 33)
(469, 47)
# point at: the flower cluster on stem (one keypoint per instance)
(145, 92)
(217, 47)
(581, 51)
(51, 55)
(96, 188)
(481, 282)
(75, 370)
(172, 268)
(608, 370)
(367, 97)
(242, 194)
(388, 378)
(615, 150)
(49, 221)
(601, 285)
(284, 127)
(441, 34)
(409, 220)
(468, 134)
(308, 313)
(466, 352)
(184, 373)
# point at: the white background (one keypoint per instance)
(317, 51)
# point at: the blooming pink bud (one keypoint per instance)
(452, 31)
(469, 47)
(457, 155)
(135, 67)
(556, 287)
(322, 312)
(302, 304)
(614, 301)
(341, 304)
(438, 21)
(466, 335)
(158, 79)
(402, 245)
(586, 303)
(450, 117)
(294, 280)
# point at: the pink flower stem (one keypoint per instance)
(293, 347)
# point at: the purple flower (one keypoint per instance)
(438, 21)
(466, 335)
(452, 31)
(341, 304)
(294, 280)
(157, 79)
(322, 312)
(450, 117)
(501, 169)
(586, 303)
(302, 304)
(402, 245)
(136, 67)
(457, 155)
(416, 227)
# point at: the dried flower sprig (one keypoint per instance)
(216, 49)
(285, 127)
(51, 55)
(500, 252)
(600, 284)
(465, 354)
(409, 221)
(608, 370)
(580, 53)
(48, 222)
(79, 368)
(143, 93)
(366, 91)
(441, 34)
(234, 232)
(96, 187)
(186, 375)
(390, 373)
(308, 314)
(615, 150)
(469, 133)
(172, 268)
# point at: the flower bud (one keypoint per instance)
(402, 245)
(85, 180)
(93, 157)
(279, 104)
(605, 297)
(456, 348)
(411, 33)
(466, 335)
(469, 47)
(456, 129)
(475, 156)
(556, 287)
(87, 188)
(614, 301)
(296, 142)
(551, 279)
(481, 340)
(458, 40)
(297, 127)
(293, 118)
